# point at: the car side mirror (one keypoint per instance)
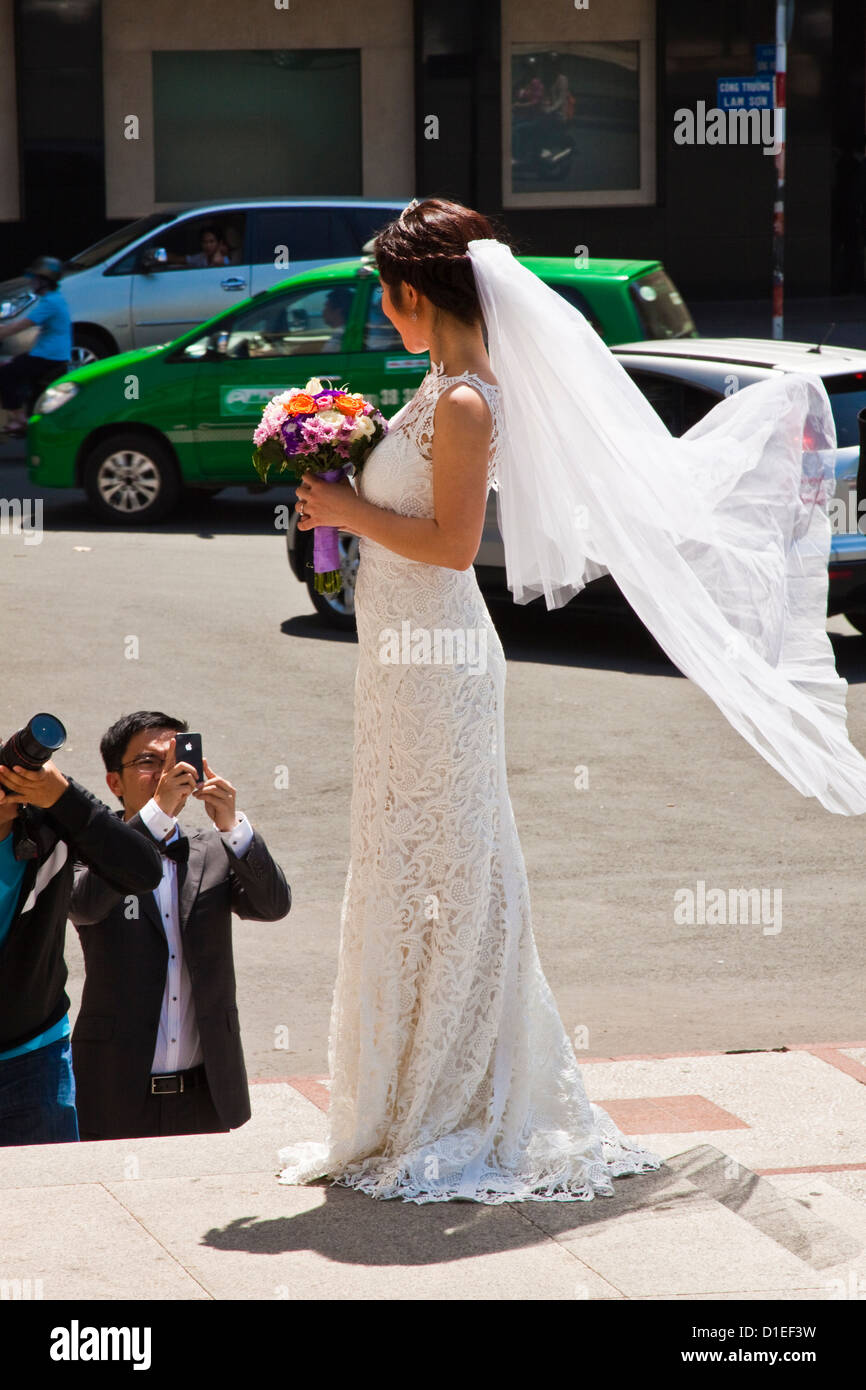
(153, 257)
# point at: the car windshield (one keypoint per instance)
(847, 396)
(661, 307)
(116, 241)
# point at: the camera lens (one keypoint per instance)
(32, 746)
(48, 731)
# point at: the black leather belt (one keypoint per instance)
(174, 1082)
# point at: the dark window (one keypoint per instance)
(574, 296)
(305, 233)
(214, 240)
(679, 404)
(257, 123)
(380, 335)
(847, 396)
(304, 322)
(366, 222)
(316, 234)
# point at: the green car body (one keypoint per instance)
(135, 429)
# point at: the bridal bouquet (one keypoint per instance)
(327, 431)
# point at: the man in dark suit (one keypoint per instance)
(156, 1047)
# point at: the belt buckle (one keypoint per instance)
(166, 1076)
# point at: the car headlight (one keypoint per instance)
(55, 397)
(16, 304)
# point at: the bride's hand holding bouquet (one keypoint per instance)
(319, 435)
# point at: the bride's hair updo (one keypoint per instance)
(426, 247)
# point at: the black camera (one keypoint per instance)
(32, 746)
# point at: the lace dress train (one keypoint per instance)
(452, 1076)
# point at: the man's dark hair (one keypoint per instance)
(116, 740)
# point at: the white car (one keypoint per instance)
(683, 378)
(148, 282)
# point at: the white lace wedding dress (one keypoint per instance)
(452, 1075)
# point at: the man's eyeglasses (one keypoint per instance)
(147, 762)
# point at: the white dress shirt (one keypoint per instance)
(178, 1046)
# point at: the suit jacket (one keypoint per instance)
(125, 957)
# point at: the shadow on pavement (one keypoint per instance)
(611, 641)
(352, 1228)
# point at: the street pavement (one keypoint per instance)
(628, 787)
(762, 1197)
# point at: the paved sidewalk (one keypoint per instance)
(763, 1195)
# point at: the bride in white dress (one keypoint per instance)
(452, 1075)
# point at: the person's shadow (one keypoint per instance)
(351, 1228)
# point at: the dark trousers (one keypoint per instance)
(37, 1097)
(184, 1112)
(23, 377)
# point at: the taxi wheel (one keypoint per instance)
(337, 609)
(131, 478)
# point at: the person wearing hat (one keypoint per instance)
(23, 376)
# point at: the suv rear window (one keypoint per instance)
(660, 305)
(305, 231)
(315, 234)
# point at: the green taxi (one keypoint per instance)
(136, 429)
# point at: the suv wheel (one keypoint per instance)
(337, 609)
(131, 478)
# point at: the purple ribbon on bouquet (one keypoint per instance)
(326, 543)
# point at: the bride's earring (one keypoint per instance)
(414, 315)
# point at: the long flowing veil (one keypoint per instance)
(719, 539)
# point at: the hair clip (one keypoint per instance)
(408, 208)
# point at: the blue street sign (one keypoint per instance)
(734, 92)
(765, 57)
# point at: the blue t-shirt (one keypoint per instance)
(55, 329)
(12, 872)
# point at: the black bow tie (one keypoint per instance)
(178, 850)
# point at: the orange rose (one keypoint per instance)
(348, 405)
(301, 404)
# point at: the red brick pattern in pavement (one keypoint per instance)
(670, 1115)
(666, 1114)
(657, 1115)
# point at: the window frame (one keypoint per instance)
(575, 30)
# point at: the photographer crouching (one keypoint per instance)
(47, 821)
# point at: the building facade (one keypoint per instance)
(563, 118)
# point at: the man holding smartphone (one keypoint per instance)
(156, 1047)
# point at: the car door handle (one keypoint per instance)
(234, 282)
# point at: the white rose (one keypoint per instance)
(364, 427)
(330, 417)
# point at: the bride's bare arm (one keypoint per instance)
(461, 444)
